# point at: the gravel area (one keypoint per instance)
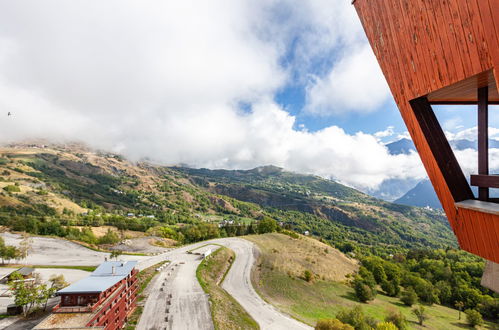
(54, 251)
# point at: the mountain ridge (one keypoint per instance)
(75, 185)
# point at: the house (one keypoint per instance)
(102, 300)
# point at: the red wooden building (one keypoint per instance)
(444, 52)
(103, 300)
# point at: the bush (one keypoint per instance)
(489, 308)
(391, 288)
(332, 324)
(473, 317)
(356, 318)
(290, 233)
(362, 291)
(307, 275)
(409, 297)
(386, 326)
(397, 318)
(12, 188)
(109, 238)
(267, 225)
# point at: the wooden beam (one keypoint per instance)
(459, 102)
(485, 181)
(483, 139)
(441, 150)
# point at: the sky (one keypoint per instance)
(220, 84)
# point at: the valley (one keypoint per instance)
(300, 242)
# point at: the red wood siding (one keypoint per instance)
(422, 47)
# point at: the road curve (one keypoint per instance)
(237, 283)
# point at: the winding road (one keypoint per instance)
(183, 305)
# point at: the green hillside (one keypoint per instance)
(79, 187)
(328, 209)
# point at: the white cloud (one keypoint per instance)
(355, 84)
(389, 131)
(471, 134)
(163, 80)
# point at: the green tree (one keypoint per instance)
(332, 324)
(57, 282)
(420, 313)
(367, 277)
(27, 293)
(409, 296)
(266, 225)
(489, 308)
(391, 288)
(362, 291)
(473, 317)
(10, 252)
(115, 254)
(109, 238)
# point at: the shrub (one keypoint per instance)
(362, 291)
(397, 318)
(409, 297)
(332, 324)
(109, 238)
(473, 317)
(489, 308)
(356, 318)
(386, 326)
(267, 225)
(307, 275)
(12, 188)
(391, 288)
(290, 233)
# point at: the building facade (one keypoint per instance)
(103, 300)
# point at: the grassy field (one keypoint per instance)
(226, 311)
(293, 256)
(320, 298)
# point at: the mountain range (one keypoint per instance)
(413, 192)
(69, 183)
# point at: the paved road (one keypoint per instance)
(238, 284)
(189, 305)
(176, 300)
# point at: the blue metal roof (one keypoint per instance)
(105, 276)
